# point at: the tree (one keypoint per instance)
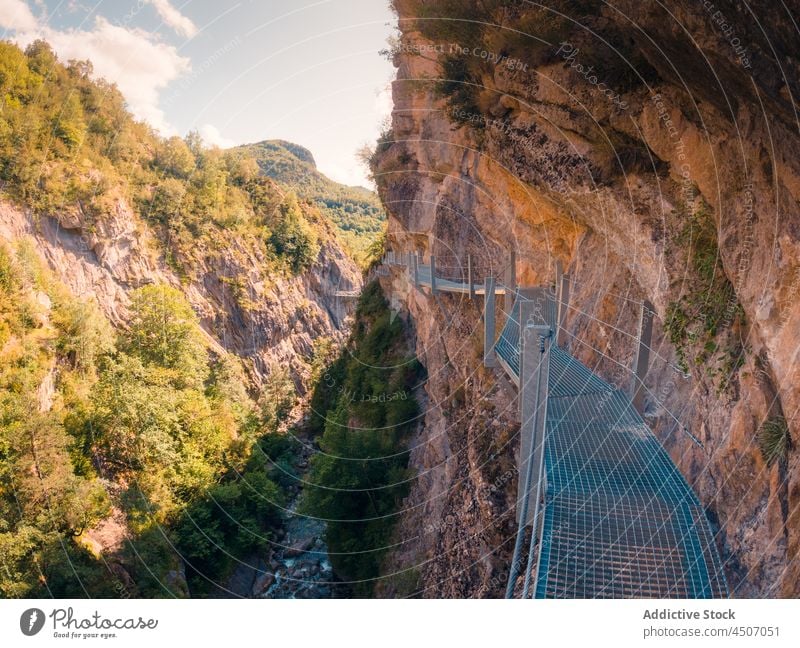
(168, 200)
(278, 397)
(175, 158)
(69, 125)
(164, 331)
(41, 57)
(364, 406)
(292, 237)
(84, 333)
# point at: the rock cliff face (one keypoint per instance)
(263, 319)
(651, 149)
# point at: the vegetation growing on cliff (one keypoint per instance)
(47, 498)
(700, 322)
(774, 440)
(476, 39)
(356, 211)
(365, 409)
(145, 422)
(69, 146)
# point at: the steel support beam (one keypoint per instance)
(470, 278)
(510, 282)
(489, 358)
(534, 372)
(562, 291)
(642, 360)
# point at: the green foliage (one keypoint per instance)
(365, 406)
(84, 333)
(708, 306)
(356, 211)
(178, 435)
(292, 237)
(461, 85)
(478, 37)
(174, 433)
(68, 144)
(57, 128)
(325, 394)
(773, 440)
(168, 202)
(325, 352)
(280, 453)
(278, 397)
(232, 520)
(376, 251)
(175, 158)
(457, 21)
(164, 331)
(44, 504)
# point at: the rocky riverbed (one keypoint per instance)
(299, 566)
(296, 565)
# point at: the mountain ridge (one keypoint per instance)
(355, 210)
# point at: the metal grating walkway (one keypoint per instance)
(619, 519)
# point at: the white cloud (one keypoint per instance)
(16, 15)
(213, 137)
(135, 60)
(174, 18)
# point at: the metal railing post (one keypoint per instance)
(642, 360)
(534, 377)
(433, 274)
(470, 279)
(415, 268)
(562, 292)
(489, 358)
(511, 282)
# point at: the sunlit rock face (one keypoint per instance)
(652, 150)
(265, 319)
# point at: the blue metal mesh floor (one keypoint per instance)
(619, 519)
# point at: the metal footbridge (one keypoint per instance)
(606, 511)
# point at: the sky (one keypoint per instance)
(307, 71)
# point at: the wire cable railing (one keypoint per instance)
(618, 519)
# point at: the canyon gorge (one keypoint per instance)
(213, 384)
(639, 145)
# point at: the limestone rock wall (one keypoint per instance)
(263, 319)
(684, 111)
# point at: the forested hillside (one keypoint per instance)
(364, 409)
(144, 420)
(67, 143)
(357, 211)
(159, 306)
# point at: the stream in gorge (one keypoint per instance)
(295, 565)
(300, 564)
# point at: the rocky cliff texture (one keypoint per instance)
(263, 319)
(651, 148)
